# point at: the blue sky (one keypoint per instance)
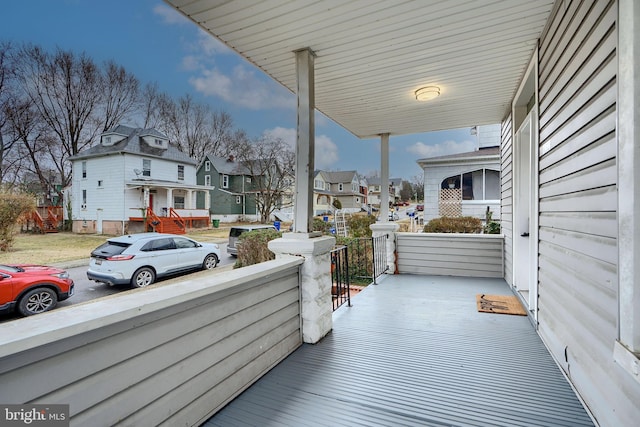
(157, 44)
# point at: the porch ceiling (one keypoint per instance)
(372, 55)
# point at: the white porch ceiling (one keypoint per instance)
(373, 54)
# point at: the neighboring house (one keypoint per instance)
(465, 184)
(134, 180)
(344, 186)
(374, 190)
(231, 188)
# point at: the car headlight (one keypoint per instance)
(63, 275)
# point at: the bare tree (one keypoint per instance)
(417, 182)
(270, 163)
(121, 92)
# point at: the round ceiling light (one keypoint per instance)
(428, 92)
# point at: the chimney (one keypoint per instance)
(230, 159)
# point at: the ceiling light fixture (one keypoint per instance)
(428, 92)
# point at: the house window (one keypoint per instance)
(100, 183)
(225, 181)
(207, 180)
(318, 184)
(180, 173)
(207, 166)
(248, 180)
(178, 202)
(357, 199)
(340, 187)
(158, 142)
(481, 184)
(107, 140)
(146, 167)
(238, 200)
(84, 200)
(84, 169)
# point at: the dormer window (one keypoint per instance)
(107, 140)
(159, 142)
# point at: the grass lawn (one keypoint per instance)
(53, 248)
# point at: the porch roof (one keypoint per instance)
(413, 350)
(371, 56)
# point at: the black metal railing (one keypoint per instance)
(340, 288)
(359, 261)
(380, 265)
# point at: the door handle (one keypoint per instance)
(525, 234)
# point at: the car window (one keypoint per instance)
(110, 249)
(236, 232)
(161, 244)
(182, 243)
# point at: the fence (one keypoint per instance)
(358, 261)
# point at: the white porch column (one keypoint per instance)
(315, 285)
(627, 348)
(169, 199)
(384, 178)
(305, 143)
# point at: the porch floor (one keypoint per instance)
(414, 351)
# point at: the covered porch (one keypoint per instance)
(414, 350)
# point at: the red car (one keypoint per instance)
(32, 289)
(420, 208)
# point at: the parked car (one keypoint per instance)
(139, 259)
(31, 289)
(235, 232)
(420, 208)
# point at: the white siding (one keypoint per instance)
(471, 255)
(172, 354)
(578, 203)
(506, 214)
(108, 197)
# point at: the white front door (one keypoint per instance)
(525, 232)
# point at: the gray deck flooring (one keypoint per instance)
(414, 351)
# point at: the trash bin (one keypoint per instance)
(276, 224)
(215, 223)
(325, 218)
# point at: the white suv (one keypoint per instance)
(139, 259)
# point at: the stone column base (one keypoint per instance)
(315, 306)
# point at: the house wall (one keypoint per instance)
(433, 176)
(470, 255)
(112, 202)
(578, 202)
(506, 197)
(170, 355)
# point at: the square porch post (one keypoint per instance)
(316, 308)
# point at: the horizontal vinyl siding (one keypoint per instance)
(578, 201)
(450, 254)
(171, 354)
(506, 178)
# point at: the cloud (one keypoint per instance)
(169, 15)
(445, 148)
(243, 88)
(326, 151)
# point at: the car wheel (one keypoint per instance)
(210, 262)
(143, 277)
(37, 301)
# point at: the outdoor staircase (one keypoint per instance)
(49, 224)
(173, 223)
